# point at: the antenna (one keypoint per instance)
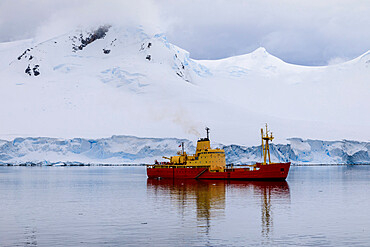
(207, 129)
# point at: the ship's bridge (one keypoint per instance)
(204, 156)
(203, 144)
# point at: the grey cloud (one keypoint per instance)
(303, 32)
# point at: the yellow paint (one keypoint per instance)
(214, 159)
(204, 156)
(265, 146)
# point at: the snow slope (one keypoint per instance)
(112, 80)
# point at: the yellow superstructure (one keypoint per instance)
(204, 156)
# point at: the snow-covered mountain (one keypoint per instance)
(111, 80)
(133, 150)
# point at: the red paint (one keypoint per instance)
(274, 171)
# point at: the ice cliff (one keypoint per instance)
(134, 150)
(300, 151)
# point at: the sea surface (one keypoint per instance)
(119, 206)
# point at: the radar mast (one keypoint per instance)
(265, 145)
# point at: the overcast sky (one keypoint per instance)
(312, 32)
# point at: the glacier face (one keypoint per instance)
(134, 150)
(113, 150)
(300, 151)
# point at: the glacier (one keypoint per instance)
(120, 80)
(130, 150)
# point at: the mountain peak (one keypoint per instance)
(84, 48)
(260, 50)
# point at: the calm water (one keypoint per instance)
(118, 206)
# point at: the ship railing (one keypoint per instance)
(232, 167)
(236, 166)
(175, 166)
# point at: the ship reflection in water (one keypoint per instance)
(269, 191)
(211, 197)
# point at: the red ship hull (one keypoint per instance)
(275, 171)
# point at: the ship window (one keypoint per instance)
(282, 169)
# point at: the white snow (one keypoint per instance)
(92, 94)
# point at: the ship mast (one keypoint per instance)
(265, 146)
(207, 129)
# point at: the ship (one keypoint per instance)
(208, 163)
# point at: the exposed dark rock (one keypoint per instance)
(106, 51)
(149, 57)
(98, 34)
(24, 53)
(143, 46)
(28, 71)
(36, 71)
(30, 57)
